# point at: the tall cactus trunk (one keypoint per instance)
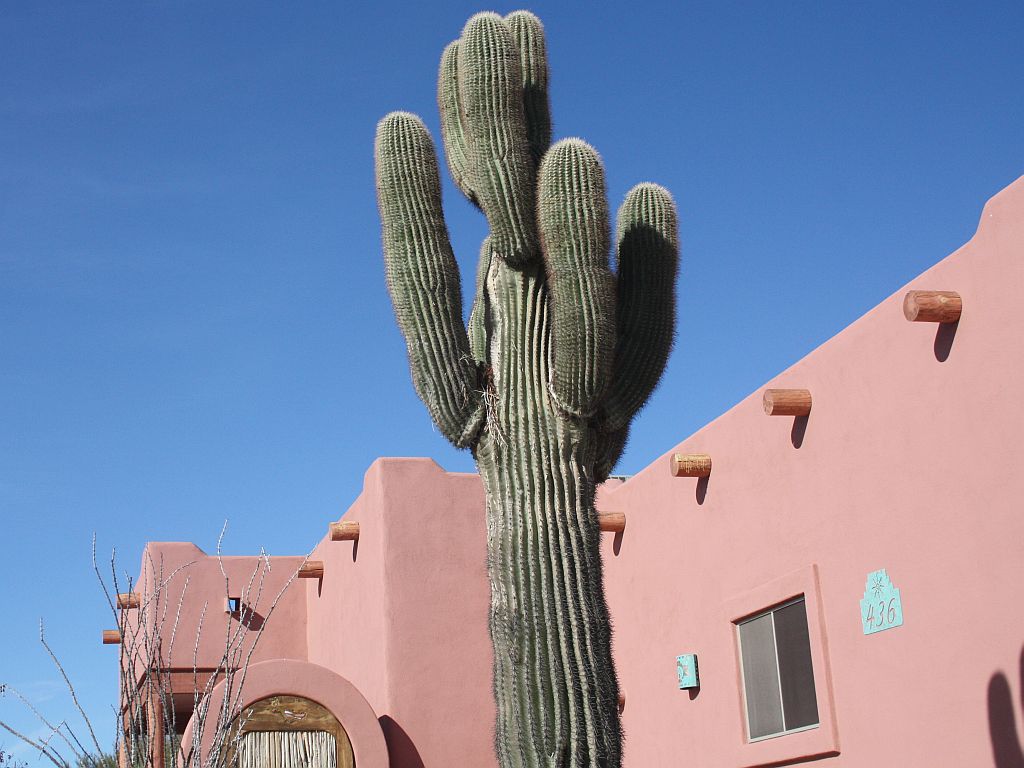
(559, 355)
(553, 675)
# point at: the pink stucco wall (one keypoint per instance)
(180, 572)
(909, 461)
(403, 614)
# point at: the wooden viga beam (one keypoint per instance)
(932, 306)
(344, 530)
(111, 637)
(691, 465)
(612, 522)
(787, 402)
(128, 600)
(312, 569)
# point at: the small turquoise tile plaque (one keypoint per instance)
(686, 671)
(881, 607)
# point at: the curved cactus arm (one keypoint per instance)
(423, 277)
(573, 213)
(452, 132)
(494, 127)
(528, 34)
(648, 251)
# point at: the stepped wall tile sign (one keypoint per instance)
(881, 607)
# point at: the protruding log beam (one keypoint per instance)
(344, 531)
(932, 306)
(691, 465)
(787, 402)
(622, 701)
(312, 569)
(128, 600)
(111, 637)
(612, 522)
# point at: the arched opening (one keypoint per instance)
(286, 731)
(277, 678)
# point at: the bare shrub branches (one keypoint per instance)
(169, 665)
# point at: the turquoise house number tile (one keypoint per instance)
(881, 607)
(686, 671)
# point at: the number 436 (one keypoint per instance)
(886, 613)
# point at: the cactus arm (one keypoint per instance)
(573, 214)
(528, 34)
(452, 135)
(648, 255)
(423, 277)
(528, 37)
(494, 124)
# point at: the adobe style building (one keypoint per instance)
(849, 580)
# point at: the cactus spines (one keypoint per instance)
(559, 355)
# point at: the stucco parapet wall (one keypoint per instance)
(986, 272)
(289, 677)
(174, 574)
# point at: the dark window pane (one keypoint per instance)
(798, 698)
(760, 677)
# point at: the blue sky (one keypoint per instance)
(193, 320)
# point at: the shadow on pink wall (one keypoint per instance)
(1002, 723)
(400, 745)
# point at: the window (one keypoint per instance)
(778, 675)
(762, 607)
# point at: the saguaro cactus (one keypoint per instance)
(559, 355)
